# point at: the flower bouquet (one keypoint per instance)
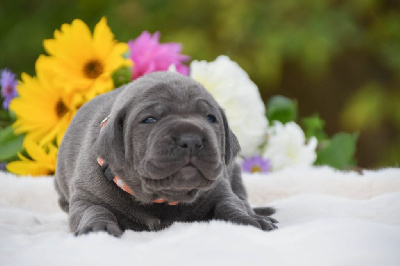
(81, 65)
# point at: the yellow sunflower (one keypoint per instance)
(43, 160)
(42, 111)
(83, 63)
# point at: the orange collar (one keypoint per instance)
(117, 180)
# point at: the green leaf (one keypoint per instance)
(339, 152)
(314, 126)
(6, 134)
(10, 144)
(280, 108)
(10, 149)
(122, 76)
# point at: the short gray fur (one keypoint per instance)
(185, 152)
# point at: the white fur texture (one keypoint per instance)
(326, 217)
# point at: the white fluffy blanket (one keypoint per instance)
(326, 218)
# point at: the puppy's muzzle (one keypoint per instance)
(182, 158)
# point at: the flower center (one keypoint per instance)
(50, 172)
(93, 68)
(256, 169)
(61, 109)
(9, 90)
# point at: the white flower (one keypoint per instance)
(239, 97)
(286, 146)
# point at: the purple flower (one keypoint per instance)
(256, 164)
(148, 55)
(8, 83)
(3, 166)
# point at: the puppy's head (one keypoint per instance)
(167, 138)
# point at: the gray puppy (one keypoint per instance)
(155, 151)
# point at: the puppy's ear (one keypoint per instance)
(110, 142)
(232, 146)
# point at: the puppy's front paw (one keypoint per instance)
(233, 210)
(263, 223)
(266, 223)
(109, 227)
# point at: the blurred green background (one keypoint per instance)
(340, 59)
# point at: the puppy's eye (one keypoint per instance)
(149, 120)
(211, 119)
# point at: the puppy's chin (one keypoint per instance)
(182, 186)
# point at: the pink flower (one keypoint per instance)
(149, 55)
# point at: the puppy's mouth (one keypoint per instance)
(181, 186)
(189, 164)
(178, 196)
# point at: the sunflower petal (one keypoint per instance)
(28, 168)
(103, 38)
(34, 150)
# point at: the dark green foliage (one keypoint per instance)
(5, 118)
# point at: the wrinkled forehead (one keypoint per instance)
(166, 98)
(176, 92)
(179, 92)
(171, 91)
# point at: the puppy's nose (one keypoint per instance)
(190, 141)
